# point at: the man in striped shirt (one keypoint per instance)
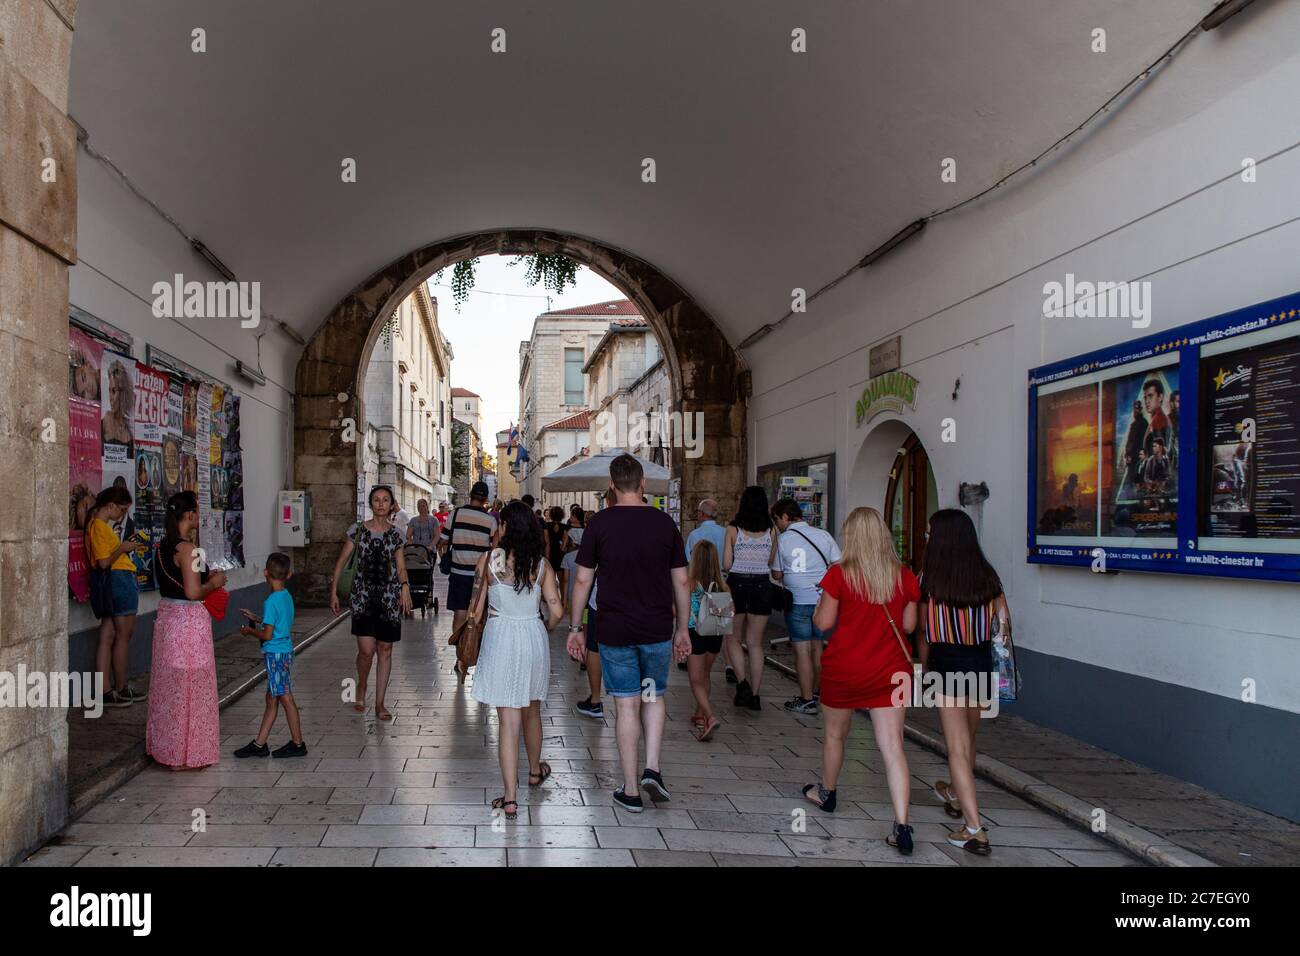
(469, 532)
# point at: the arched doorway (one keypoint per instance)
(910, 499)
(708, 378)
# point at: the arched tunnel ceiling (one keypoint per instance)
(774, 169)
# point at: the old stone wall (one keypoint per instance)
(38, 239)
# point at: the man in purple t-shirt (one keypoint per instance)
(635, 555)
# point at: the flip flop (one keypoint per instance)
(704, 731)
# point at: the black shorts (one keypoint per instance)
(705, 644)
(460, 588)
(751, 593)
(966, 669)
(590, 631)
(365, 625)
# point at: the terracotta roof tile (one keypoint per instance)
(614, 307)
(578, 422)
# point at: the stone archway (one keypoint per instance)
(707, 376)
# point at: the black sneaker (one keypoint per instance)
(730, 675)
(743, 694)
(801, 705)
(253, 749)
(114, 699)
(291, 749)
(587, 709)
(754, 703)
(630, 804)
(901, 839)
(653, 784)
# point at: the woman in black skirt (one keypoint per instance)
(379, 597)
(963, 606)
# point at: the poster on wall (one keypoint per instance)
(203, 476)
(1212, 492)
(152, 391)
(1067, 462)
(1251, 452)
(1139, 474)
(117, 406)
(171, 440)
(85, 465)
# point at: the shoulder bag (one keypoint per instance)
(217, 599)
(907, 649)
(468, 638)
(347, 575)
(783, 597)
(717, 613)
(444, 561)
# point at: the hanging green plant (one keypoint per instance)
(389, 328)
(555, 271)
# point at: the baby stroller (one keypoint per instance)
(419, 572)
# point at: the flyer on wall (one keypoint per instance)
(1067, 461)
(117, 406)
(1250, 461)
(1139, 421)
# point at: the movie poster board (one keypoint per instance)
(1213, 490)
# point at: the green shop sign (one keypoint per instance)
(891, 392)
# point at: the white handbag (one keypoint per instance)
(717, 613)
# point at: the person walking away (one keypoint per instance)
(468, 534)
(805, 555)
(108, 553)
(708, 529)
(556, 536)
(183, 729)
(636, 556)
(401, 519)
(962, 605)
(275, 630)
(869, 599)
(514, 663)
(444, 512)
(749, 554)
(704, 576)
(590, 662)
(569, 564)
(379, 597)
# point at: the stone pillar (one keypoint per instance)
(37, 244)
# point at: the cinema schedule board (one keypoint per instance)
(1176, 452)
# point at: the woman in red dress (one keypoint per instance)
(869, 599)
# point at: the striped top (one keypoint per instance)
(470, 530)
(945, 624)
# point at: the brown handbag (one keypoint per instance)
(468, 637)
(907, 650)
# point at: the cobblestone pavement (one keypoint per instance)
(415, 791)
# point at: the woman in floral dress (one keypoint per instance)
(380, 594)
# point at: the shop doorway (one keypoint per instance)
(910, 499)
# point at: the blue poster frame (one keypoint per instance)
(1185, 341)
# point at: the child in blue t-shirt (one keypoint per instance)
(274, 630)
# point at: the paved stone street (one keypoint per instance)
(416, 791)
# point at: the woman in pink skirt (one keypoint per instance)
(184, 731)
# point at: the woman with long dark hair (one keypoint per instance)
(514, 661)
(556, 537)
(184, 728)
(569, 565)
(379, 597)
(963, 607)
(748, 556)
(869, 599)
(109, 554)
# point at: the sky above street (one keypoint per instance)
(486, 332)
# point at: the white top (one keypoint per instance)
(751, 554)
(801, 566)
(400, 520)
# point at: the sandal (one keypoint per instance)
(703, 731)
(543, 771)
(951, 805)
(823, 799)
(504, 805)
(381, 713)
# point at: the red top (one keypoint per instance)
(863, 655)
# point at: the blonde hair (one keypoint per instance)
(869, 563)
(705, 567)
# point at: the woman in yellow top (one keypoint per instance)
(108, 552)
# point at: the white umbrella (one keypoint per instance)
(592, 474)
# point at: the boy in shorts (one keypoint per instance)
(274, 630)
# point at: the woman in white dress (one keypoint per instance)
(514, 662)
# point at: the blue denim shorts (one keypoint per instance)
(624, 668)
(799, 624)
(279, 674)
(126, 595)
